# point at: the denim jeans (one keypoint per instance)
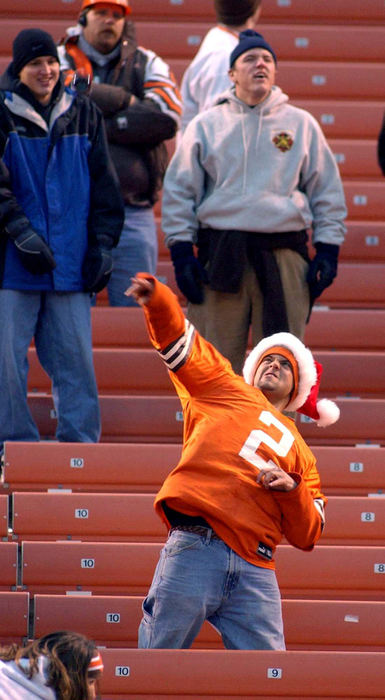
(61, 325)
(137, 251)
(200, 578)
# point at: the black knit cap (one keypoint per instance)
(235, 12)
(30, 44)
(249, 39)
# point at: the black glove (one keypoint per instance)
(322, 269)
(35, 254)
(97, 268)
(189, 273)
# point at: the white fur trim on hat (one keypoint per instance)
(325, 411)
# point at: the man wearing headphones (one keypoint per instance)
(141, 105)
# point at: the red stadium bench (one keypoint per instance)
(126, 568)
(351, 520)
(137, 371)
(128, 467)
(356, 158)
(141, 468)
(220, 674)
(8, 566)
(341, 119)
(14, 617)
(118, 327)
(309, 624)
(159, 419)
(131, 518)
(292, 42)
(295, 11)
(324, 80)
(353, 426)
(87, 516)
(351, 471)
(345, 322)
(365, 200)
(124, 418)
(4, 523)
(356, 285)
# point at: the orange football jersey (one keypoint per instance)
(230, 431)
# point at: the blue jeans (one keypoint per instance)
(137, 251)
(60, 322)
(200, 578)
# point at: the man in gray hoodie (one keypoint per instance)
(250, 177)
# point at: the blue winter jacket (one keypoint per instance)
(58, 178)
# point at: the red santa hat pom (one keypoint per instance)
(324, 412)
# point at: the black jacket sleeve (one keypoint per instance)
(381, 147)
(106, 215)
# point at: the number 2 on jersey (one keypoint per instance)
(256, 437)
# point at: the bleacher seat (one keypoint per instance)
(276, 10)
(351, 520)
(351, 471)
(142, 468)
(87, 516)
(292, 42)
(4, 524)
(99, 467)
(119, 327)
(9, 560)
(321, 79)
(309, 624)
(138, 371)
(159, 419)
(357, 285)
(219, 674)
(329, 572)
(364, 242)
(341, 119)
(14, 617)
(131, 518)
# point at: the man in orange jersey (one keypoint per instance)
(245, 479)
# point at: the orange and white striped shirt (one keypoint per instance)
(230, 431)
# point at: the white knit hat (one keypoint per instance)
(305, 395)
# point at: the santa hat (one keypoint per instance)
(307, 376)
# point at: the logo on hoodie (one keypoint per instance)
(283, 141)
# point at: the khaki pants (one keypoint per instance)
(225, 319)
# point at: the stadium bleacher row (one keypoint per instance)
(78, 535)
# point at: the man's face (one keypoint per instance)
(253, 74)
(104, 26)
(41, 75)
(274, 377)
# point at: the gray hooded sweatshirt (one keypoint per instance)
(265, 169)
(15, 685)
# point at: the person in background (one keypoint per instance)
(140, 101)
(246, 478)
(61, 214)
(59, 666)
(207, 76)
(249, 178)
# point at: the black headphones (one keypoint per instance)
(83, 19)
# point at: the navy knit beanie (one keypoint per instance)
(249, 39)
(30, 44)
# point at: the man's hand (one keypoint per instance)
(141, 289)
(189, 274)
(276, 479)
(322, 269)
